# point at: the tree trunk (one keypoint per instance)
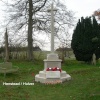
(6, 47)
(30, 30)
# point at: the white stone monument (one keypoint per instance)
(52, 62)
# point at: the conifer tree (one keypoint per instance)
(86, 39)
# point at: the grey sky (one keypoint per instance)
(80, 7)
(83, 7)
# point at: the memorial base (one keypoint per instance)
(52, 76)
(42, 78)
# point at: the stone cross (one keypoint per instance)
(52, 27)
(52, 62)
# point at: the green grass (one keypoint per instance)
(85, 83)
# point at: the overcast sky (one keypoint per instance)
(83, 7)
(80, 7)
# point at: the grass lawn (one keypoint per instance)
(85, 83)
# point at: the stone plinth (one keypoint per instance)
(41, 77)
(52, 74)
(49, 76)
(52, 56)
(52, 61)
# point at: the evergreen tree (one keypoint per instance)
(86, 39)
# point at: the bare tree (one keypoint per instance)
(30, 16)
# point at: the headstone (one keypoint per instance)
(94, 59)
(6, 47)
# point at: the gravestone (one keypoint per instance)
(6, 47)
(94, 59)
(49, 74)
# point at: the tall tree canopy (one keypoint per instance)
(86, 39)
(97, 13)
(31, 17)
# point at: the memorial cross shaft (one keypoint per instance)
(52, 27)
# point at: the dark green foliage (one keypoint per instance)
(86, 39)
